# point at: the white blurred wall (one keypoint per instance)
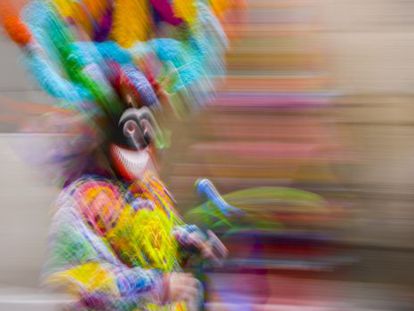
(25, 205)
(24, 200)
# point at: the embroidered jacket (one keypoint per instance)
(111, 243)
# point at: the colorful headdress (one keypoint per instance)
(79, 51)
(98, 57)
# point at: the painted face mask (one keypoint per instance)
(138, 137)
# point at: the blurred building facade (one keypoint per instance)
(319, 96)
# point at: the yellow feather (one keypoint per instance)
(131, 22)
(91, 277)
(219, 6)
(145, 238)
(185, 9)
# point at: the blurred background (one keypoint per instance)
(318, 97)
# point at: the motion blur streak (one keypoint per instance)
(286, 117)
(308, 138)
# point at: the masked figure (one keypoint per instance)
(116, 240)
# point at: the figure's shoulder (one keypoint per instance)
(93, 184)
(92, 200)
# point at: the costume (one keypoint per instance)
(112, 242)
(119, 64)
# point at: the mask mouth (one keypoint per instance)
(131, 164)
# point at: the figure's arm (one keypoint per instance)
(192, 238)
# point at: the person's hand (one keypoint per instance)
(211, 248)
(182, 287)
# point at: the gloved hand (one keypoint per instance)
(209, 246)
(183, 287)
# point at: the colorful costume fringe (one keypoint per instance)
(115, 34)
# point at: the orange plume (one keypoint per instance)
(13, 25)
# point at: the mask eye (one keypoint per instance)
(147, 138)
(134, 134)
(130, 128)
(148, 131)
